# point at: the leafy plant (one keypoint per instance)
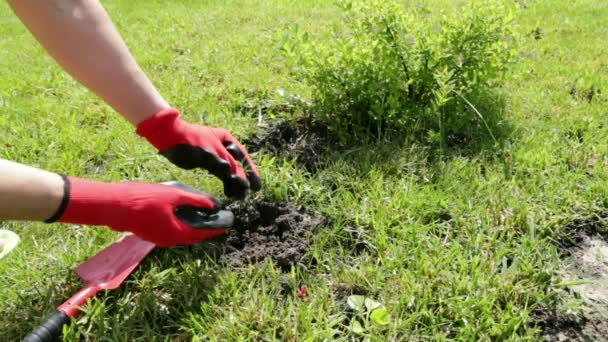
(368, 314)
(390, 67)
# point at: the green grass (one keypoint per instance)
(458, 244)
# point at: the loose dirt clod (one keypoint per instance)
(279, 231)
(585, 94)
(585, 259)
(303, 139)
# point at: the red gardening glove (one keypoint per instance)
(149, 211)
(190, 146)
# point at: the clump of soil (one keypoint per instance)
(342, 291)
(580, 229)
(585, 256)
(585, 94)
(264, 230)
(558, 327)
(304, 139)
(537, 33)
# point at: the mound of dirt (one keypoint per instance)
(585, 260)
(304, 140)
(278, 231)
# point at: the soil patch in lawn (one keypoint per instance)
(305, 140)
(585, 94)
(585, 259)
(264, 230)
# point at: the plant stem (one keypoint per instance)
(478, 114)
(401, 58)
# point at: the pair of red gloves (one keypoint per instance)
(150, 211)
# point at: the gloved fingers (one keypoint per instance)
(195, 212)
(222, 165)
(205, 203)
(189, 157)
(235, 183)
(235, 167)
(239, 152)
(236, 186)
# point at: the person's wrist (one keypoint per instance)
(58, 193)
(144, 109)
(91, 202)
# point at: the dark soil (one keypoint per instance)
(304, 139)
(263, 230)
(558, 327)
(585, 258)
(537, 33)
(343, 291)
(578, 230)
(587, 95)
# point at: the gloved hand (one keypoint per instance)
(190, 146)
(151, 211)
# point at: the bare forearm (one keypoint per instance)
(27, 193)
(82, 39)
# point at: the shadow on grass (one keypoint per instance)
(168, 286)
(478, 131)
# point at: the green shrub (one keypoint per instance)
(392, 67)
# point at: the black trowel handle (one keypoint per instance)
(50, 330)
(199, 218)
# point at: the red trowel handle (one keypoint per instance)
(52, 327)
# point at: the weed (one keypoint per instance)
(390, 68)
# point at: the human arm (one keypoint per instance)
(82, 39)
(27, 193)
(80, 36)
(147, 210)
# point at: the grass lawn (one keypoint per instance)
(460, 244)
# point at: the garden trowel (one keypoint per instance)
(110, 267)
(104, 271)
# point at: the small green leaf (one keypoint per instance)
(336, 320)
(371, 304)
(380, 317)
(356, 302)
(356, 327)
